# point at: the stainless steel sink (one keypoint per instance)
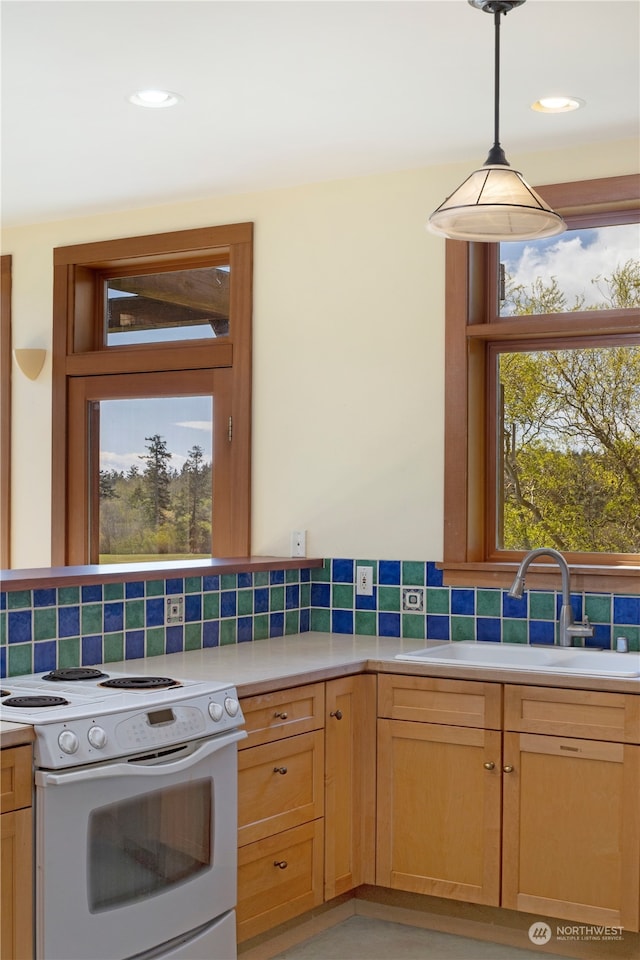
(521, 656)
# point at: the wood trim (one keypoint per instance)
(198, 355)
(5, 410)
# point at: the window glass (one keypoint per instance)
(584, 269)
(155, 477)
(569, 462)
(191, 304)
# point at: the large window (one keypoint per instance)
(152, 397)
(543, 393)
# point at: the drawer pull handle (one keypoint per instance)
(281, 716)
(508, 769)
(281, 863)
(337, 714)
(490, 765)
(281, 770)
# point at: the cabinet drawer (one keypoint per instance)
(279, 878)
(462, 703)
(280, 785)
(573, 713)
(15, 778)
(285, 713)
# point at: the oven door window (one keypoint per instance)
(141, 847)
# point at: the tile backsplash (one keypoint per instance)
(41, 629)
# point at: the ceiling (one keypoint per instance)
(284, 93)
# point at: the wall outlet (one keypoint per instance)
(174, 610)
(298, 543)
(413, 599)
(364, 581)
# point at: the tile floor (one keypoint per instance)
(364, 938)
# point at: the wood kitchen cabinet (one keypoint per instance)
(16, 847)
(438, 819)
(571, 841)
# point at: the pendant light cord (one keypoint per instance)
(496, 154)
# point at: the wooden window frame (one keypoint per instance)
(5, 411)
(80, 355)
(472, 326)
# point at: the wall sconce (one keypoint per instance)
(30, 360)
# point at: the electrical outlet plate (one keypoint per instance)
(364, 581)
(174, 610)
(413, 599)
(298, 543)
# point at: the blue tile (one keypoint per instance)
(367, 603)
(92, 593)
(305, 575)
(261, 600)
(342, 571)
(245, 629)
(19, 626)
(437, 627)
(434, 576)
(174, 585)
(92, 650)
(542, 631)
(174, 638)
(488, 628)
(211, 583)
(3, 662)
(342, 621)
(69, 622)
(134, 590)
(193, 607)
(601, 636)
(113, 616)
(305, 620)
(44, 656)
(320, 594)
(134, 644)
(292, 596)
(389, 574)
(245, 579)
(514, 608)
(228, 603)
(463, 602)
(211, 633)
(626, 610)
(389, 624)
(154, 611)
(276, 577)
(44, 598)
(276, 624)
(3, 600)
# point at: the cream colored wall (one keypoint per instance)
(348, 360)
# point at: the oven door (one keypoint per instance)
(131, 854)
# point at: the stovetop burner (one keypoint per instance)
(35, 701)
(140, 683)
(75, 673)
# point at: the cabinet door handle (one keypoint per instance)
(281, 863)
(508, 768)
(490, 765)
(337, 714)
(281, 716)
(281, 770)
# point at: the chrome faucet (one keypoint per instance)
(567, 628)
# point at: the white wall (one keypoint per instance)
(348, 355)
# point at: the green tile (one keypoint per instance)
(276, 598)
(389, 598)
(598, 608)
(113, 647)
(463, 628)
(193, 636)
(261, 578)
(245, 603)
(542, 606)
(193, 584)
(488, 603)
(320, 619)
(20, 659)
(154, 641)
(154, 588)
(413, 573)
(292, 576)
(19, 599)
(91, 618)
(45, 623)
(211, 606)
(514, 631)
(292, 622)
(228, 581)
(365, 623)
(134, 614)
(413, 625)
(321, 574)
(67, 596)
(437, 600)
(305, 595)
(69, 652)
(228, 631)
(115, 591)
(631, 633)
(261, 626)
(342, 596)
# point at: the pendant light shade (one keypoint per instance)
(495, 202)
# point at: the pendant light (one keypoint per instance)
(495, 202)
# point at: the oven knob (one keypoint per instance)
(97, 737)
(68, 741)
(231, 706)
(215, 711)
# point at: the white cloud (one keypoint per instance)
(196, 424)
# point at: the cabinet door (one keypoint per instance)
(16, 885)
(350, 764)
(439, 810)
(571, 839)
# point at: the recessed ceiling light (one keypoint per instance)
(557, 104)
(155, 98)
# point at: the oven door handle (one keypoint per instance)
(133, 769)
